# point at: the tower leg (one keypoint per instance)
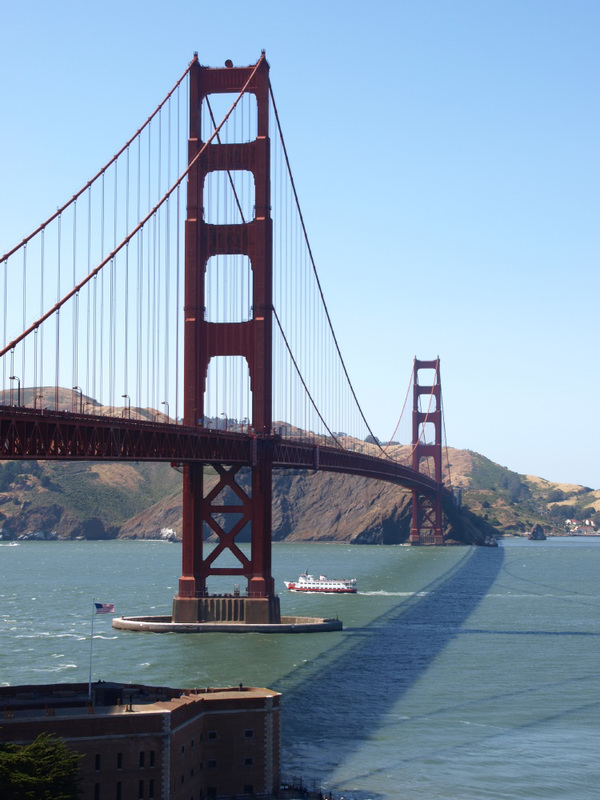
(191, 583)
(415, 534)
(261, 582)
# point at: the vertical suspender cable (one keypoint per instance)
(5, 328)
(150, 322)
(36, 345)
(89, 361)
(75, 375)
(148, 268)
(140, 244)
(101, 289)
(12, 371)
(34, 384)
(165, 358)
(126, 290)
(147, 310)
(56, 355)
(24, 316)
(113, 293)
(177, 269)
(157, 279)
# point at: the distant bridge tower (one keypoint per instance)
(427, 526)
(251, 339)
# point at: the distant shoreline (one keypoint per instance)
(53, 538)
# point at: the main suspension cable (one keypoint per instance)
(410, 381)
(57, 306)
(306, 389)
(313, 264)
(100, 172)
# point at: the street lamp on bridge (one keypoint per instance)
(78, 389)
(126, 397)
(18, 380)
(166, 403)
(224, 415)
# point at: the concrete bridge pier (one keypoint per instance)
(227, 608)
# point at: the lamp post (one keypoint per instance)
(78, 389)
(224, 415)
(245, 424)
(18, 380)
(37, 397)
(166, 403)
(126, 397)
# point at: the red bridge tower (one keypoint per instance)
(427, 526)
(251, 339)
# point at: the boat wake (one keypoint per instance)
(393, 594)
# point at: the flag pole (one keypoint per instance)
(91, 647)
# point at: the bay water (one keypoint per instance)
(461, 673)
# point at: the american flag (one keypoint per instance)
(104, 608)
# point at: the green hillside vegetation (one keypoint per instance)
(514, 503)
(79, 499)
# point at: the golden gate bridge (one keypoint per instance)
(176, 297)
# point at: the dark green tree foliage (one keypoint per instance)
(8, 472)
(560, 513)
(514, 487)
(11, 470)
(46, 769)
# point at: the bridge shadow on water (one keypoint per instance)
(331, 706)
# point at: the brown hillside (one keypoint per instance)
(321, 507)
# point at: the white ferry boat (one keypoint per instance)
(308, 583)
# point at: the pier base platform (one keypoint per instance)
(227, 608)
(165, 624)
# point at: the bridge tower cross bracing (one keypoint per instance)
(251, 339)
(427, 523)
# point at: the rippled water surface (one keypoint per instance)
(461, 673)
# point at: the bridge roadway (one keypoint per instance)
(38, 434)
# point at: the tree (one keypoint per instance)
(46, 769)
(560, 513)
(515, 488)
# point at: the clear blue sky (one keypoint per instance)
(447, 159)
